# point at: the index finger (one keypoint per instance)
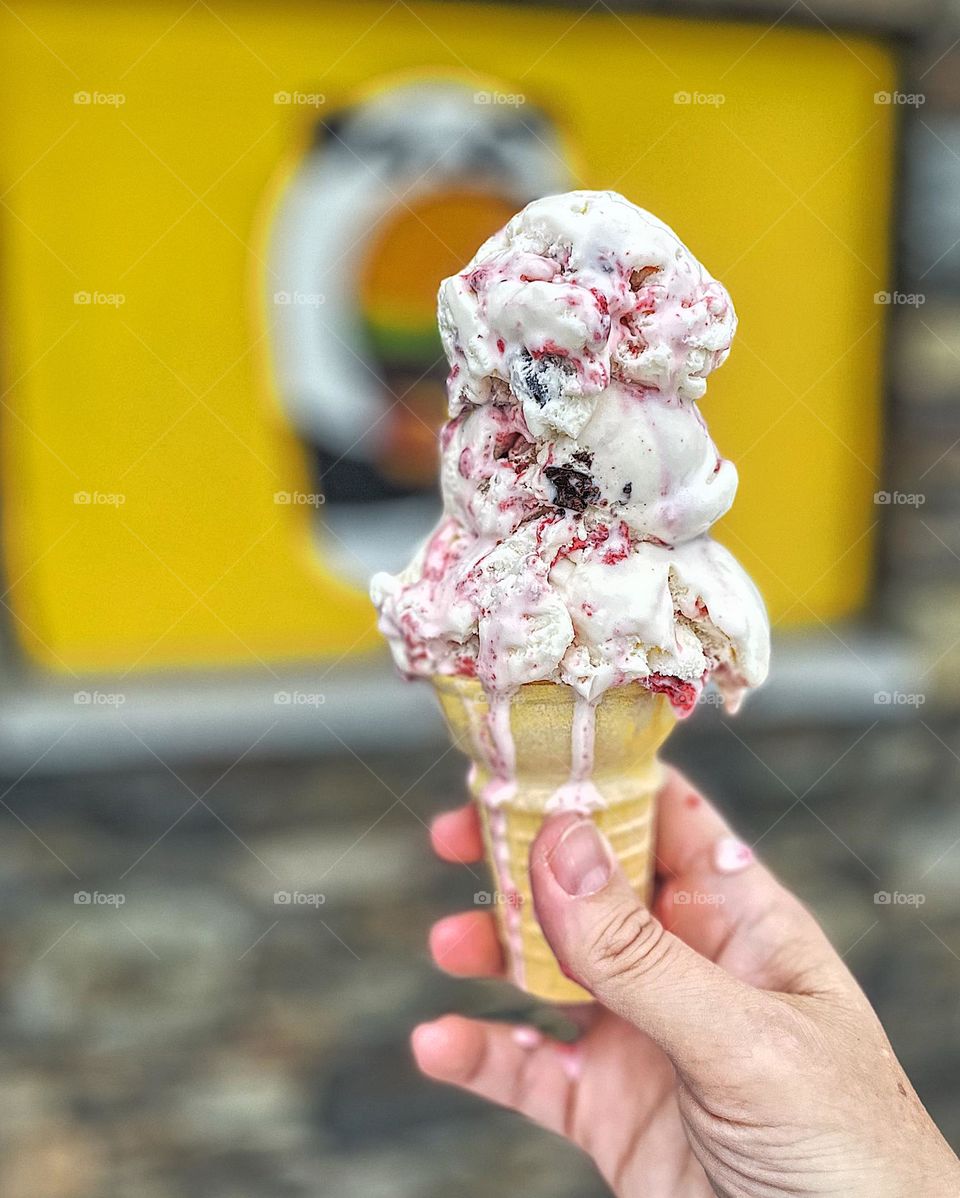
(688, 826)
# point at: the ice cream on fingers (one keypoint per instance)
(570, 603)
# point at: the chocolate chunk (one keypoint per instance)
(584, 457)
(540, 379)
(627, 490)
(639, 277)
(574, 489)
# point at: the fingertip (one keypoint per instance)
(448, 1049)
(456, 837)
(428, 1041)
(440, 936)
(514, 1065)
(467, 945)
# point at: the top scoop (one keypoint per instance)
(578, 477)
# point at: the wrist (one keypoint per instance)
(933, 1171)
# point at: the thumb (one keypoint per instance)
(609, 942)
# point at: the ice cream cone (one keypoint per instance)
(528, 761)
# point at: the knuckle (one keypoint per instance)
(627, 944)
(786, 1044)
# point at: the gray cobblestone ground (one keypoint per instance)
(202, 1039)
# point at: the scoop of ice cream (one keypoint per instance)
(672, 615)
(574, 291)
(647, 460)
(571, 600)
(641, 458)
(579, 479)
(490, 478)
(480, 607)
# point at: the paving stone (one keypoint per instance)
(342, 862)
(163, 963)
(54, 1160)
(28, 1098)
(243, 1103)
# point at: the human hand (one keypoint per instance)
(732, 1053)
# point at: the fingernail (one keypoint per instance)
(571, 1061)
(732, 855)
(527, 1037)
(581, 860)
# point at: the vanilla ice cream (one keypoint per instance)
(579, 480)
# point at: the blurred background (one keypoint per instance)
(222, 227)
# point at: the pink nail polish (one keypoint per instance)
(527, 1037)
(571, 1061)
(730, 855)
(581, 860)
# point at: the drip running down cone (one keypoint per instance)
(525, 767)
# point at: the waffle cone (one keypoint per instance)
(631, 724)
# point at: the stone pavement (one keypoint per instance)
(205, 1039)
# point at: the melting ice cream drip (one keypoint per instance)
(493, 744)
(508, 895)
(578, 793)
(504, 753)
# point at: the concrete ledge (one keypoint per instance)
(54, 727)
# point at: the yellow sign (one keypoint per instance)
(158, 505)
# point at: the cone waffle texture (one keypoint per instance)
(631, 724)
